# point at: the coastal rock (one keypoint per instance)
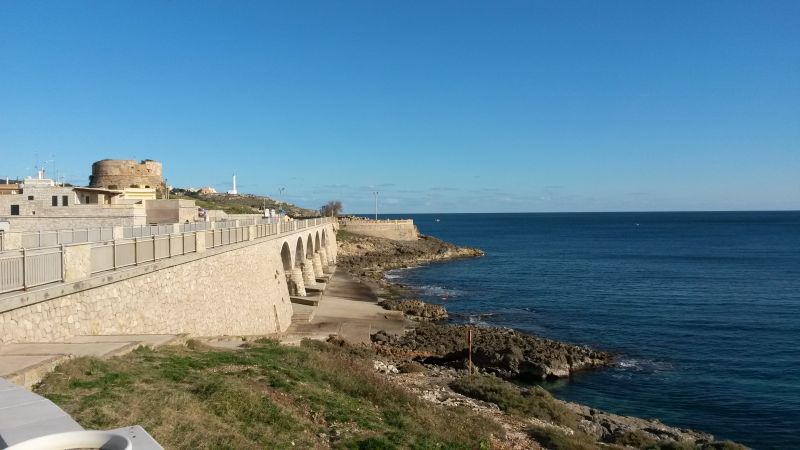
(383, 367)
(613, 428)
(369, 257)
(416, 309)
(504, 352)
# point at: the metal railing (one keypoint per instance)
(38, 239)
(23, 269)
(146, 230)
(364, 220)
(27, 268)
(131, 252)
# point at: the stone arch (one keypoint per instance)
(316, 242)
(324, 238)
(310, 247)
(286, 256)
(298, 252)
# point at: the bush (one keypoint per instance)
(554, 439)
(535, 402)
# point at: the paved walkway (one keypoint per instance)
(347, 308)
(26, 364)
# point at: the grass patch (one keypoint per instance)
(264, 396)
(535, 402)
(553, 439)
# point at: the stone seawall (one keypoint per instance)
(399, 230)
(240, 291)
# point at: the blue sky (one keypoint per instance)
(442, 106)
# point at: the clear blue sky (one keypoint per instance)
(442, 106)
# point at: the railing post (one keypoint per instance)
(154, 247)
(63, 264)
(114, 254)
(24, 270)
(135, 252)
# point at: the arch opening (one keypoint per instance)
(298, 252)
(286, 256)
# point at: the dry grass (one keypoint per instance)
(535, 402)
(264, 396)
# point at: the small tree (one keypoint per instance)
(332, 208)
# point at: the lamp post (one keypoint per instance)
(281, 190)
(376, 204)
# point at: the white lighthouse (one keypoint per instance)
(233, 190)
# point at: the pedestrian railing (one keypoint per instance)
(27, 268)
(23, 269)
(38, 239)
(130, 252)
(147, 230)
(195, 226)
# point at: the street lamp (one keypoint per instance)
(376, 204)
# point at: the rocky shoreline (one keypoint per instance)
(431, 359)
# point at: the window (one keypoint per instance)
(65, 200)
(14, 210)
(87, 199)
(54, 200)
(30, 197)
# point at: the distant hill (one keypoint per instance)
(242, 203)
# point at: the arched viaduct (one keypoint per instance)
(241, 287)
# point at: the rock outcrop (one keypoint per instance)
(504, 352)
(416, 309)
(369, 257)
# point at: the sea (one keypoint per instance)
(702, 308)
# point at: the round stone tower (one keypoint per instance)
(127, 173)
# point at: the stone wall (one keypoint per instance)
(171, 211)
(123, 173)
(78, 217)
(399, 230)
(236, 290)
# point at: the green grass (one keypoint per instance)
(263, 396)
(535, 402)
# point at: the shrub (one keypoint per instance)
(535, 402)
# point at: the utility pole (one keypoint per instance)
(280, 198)
(376, 204)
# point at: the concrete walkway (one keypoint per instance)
(349, 309)
(26, 364)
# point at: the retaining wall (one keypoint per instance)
(235, 290)
(399, 230)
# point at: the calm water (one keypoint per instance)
(704, 308)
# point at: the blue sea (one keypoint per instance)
(703, 309)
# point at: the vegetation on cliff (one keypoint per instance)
(242, 203)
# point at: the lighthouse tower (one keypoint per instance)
(233, 190)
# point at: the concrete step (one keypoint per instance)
(317, 287)
(303, 313)
(310, 300)
(27, 363)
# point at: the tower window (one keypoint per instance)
(54, 200)
(14, 210)
(65, 200)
